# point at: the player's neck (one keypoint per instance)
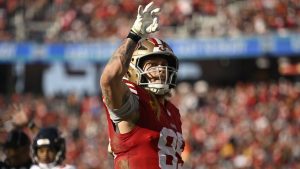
(161, 99)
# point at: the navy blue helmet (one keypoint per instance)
(49, 137)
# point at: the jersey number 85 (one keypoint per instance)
(170, 145)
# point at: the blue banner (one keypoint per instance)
(195, 49)
(286, 45)
(217, 48)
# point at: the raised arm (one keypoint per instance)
(114, 91)
(18, 116)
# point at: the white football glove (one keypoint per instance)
(146, 21)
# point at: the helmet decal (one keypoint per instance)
(159, 45)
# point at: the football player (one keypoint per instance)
(144, 127)
(48, 150)
(17, 151)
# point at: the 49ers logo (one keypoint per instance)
(159, 45)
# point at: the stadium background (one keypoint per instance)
(238, 85)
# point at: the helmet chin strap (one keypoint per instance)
(158, 89)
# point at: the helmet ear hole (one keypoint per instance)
(128, 74)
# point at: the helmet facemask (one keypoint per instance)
(157, 79)
(166, 74)
(164, 80)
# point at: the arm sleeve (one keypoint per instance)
(130, 106)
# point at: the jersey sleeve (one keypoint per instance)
(128, 108)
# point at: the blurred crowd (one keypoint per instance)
(92, 20)
(81, 121)
(246, 126)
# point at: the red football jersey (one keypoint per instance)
(155, 142)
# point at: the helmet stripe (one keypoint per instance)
(156, 41)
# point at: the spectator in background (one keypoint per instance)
(17, 151)
(78, 120)
(48, 150)
(77, 20)
(4, 33)
(16, 146)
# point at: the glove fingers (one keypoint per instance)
(148, 8)
(153, 27)
(148, 30)
(155, 24)
(140, 10)
(155, 11)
